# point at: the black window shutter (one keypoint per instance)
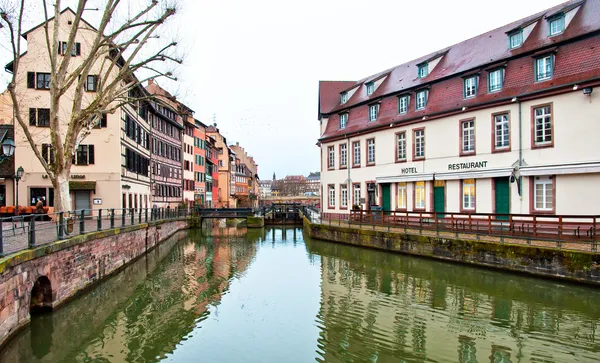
(45, 152)
(91, 155)
(103, 121)
(32, 117)
(59, 47)
(30, 79)
(78, 48)
(74, 162)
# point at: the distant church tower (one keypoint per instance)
(273, 175)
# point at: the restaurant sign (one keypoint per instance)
(471, 165)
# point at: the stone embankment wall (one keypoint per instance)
(70, 266)
(582, 267)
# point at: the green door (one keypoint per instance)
(502, 196)
(386, 197)
(439, 201)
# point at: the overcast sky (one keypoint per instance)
(256, 64)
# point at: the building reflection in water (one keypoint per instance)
(381, 307)
(121, 315)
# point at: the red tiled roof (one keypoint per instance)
(468, 56)
(329, 94)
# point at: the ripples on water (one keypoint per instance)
(273, 296)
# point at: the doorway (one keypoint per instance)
(82, 201)
(502, 197)
(439, 198)
(386, 197)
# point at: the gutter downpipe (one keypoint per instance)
(349, 182)
(520, 184)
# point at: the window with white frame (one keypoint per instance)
(420, 195)
(543, 193)
(332, 196)
(468, 199)
(403, 104)
(419, 140)
(343, 120)
(544, 68)
(543, 125)
(343, 155)
(401, 202)
(470, 87)
(495, 80)
(370, 88)
(468, 136)
(557, 25)
(356, 193)
(344, 97)
(401, 146)
(423, 70)
(344, 195)
(501, 131)
(356, 154)
(421, 99)
(331, 153)
(373, 112)
(371, 151)
(516, 39)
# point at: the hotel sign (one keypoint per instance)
(412, 170)
(471, 165)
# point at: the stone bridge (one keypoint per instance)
(47, 276)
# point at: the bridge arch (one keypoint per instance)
(41, 295)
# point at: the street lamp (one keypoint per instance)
(18, 177)
(8, 148)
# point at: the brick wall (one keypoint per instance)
(71, 266)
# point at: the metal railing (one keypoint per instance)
(312, 214)
(32, 230)
(578, 232)
(224, 212)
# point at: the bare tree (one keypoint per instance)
(116, 50)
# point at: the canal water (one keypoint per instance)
(274, 295)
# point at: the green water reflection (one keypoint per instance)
(273, 295)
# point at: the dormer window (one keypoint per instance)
(344, 97)
(423, 70)
(373, 112)
(470, 87)
(343, 120)
(557, 24)
(370, 88)
(421, 99)
(544, 67)
(516, 39)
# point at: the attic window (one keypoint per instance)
(515, 39)
(69, 22)
(557, 24)
(344, 97)
(370, 88)
(423, 70)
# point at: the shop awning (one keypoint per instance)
(475, 174)
(82, 185)
(581, 168)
